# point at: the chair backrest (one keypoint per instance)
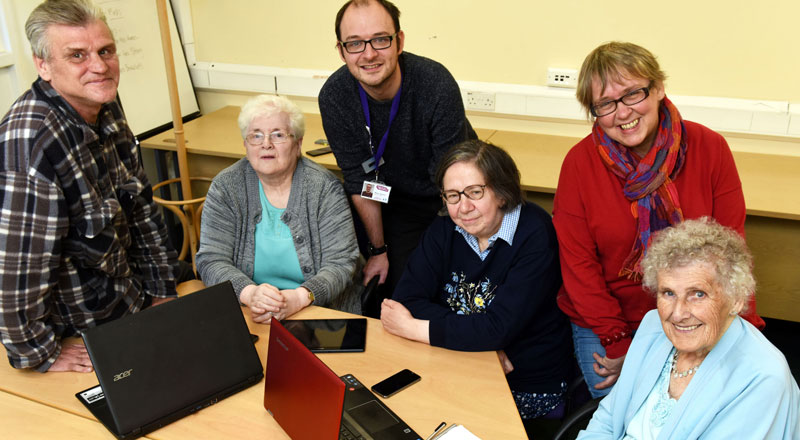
(577, 420)
(188, 212)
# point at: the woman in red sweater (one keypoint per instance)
(641, 169)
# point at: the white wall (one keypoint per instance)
(16, 68)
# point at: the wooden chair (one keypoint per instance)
(188, 213)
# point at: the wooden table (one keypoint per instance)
(461, 387)
(26, 419)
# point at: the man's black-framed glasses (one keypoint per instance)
(631, 98)
(472, 192)
(277, 137)
(377, 43)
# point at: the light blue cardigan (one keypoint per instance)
(743, 389)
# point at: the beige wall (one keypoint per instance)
(731, 49)
(724, 48)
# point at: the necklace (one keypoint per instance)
(681, 374)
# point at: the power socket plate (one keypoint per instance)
(482, 101)
(567, 78)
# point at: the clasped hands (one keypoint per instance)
(266, 301)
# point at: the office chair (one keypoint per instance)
(577, 420)
(576, 395)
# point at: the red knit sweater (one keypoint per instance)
(596, 231)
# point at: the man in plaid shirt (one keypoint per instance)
(81, 241)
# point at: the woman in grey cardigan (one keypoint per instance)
(276, 225)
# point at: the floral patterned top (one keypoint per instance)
(506, 300)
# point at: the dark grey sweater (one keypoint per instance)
(430, 120)
(317, 214)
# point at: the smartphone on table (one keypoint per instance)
(396, 382)
(320, 151)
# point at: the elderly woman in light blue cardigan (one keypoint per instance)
(695, 368)
(277, 225)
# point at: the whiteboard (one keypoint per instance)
(143, 85)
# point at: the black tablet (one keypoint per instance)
(329, 335)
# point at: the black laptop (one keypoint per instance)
(168, 361)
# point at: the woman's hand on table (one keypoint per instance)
(264, 302)
(296, 300)
(397, 320)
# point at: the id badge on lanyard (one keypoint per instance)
(375, 189)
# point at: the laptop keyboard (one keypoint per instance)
(346, 434)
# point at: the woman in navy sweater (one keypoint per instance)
(486, 278)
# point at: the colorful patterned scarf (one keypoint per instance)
(649, 180)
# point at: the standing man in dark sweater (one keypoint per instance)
(395, 109)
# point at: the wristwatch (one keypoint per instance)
(373, 251)
(310, 296)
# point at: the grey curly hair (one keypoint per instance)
(702, 240)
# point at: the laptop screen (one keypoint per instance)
(303, 395)
(308, 400)
(165, 361)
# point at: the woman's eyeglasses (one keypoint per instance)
(472, 192)
(630, 98)
(277, 137)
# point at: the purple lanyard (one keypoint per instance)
(392, 114)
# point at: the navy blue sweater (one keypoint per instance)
(430, 120)
(507, 301)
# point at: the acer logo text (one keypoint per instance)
(123, 375)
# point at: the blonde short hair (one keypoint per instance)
(613, 60)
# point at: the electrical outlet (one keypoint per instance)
(482, 101)
(562, 78)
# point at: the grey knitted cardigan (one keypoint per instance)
(317, 214)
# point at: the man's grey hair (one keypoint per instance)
(702, 241)
(63, 12)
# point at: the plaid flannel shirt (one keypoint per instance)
(81, 241)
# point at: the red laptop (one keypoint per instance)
(310, 401)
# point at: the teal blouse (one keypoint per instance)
(275, 260)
